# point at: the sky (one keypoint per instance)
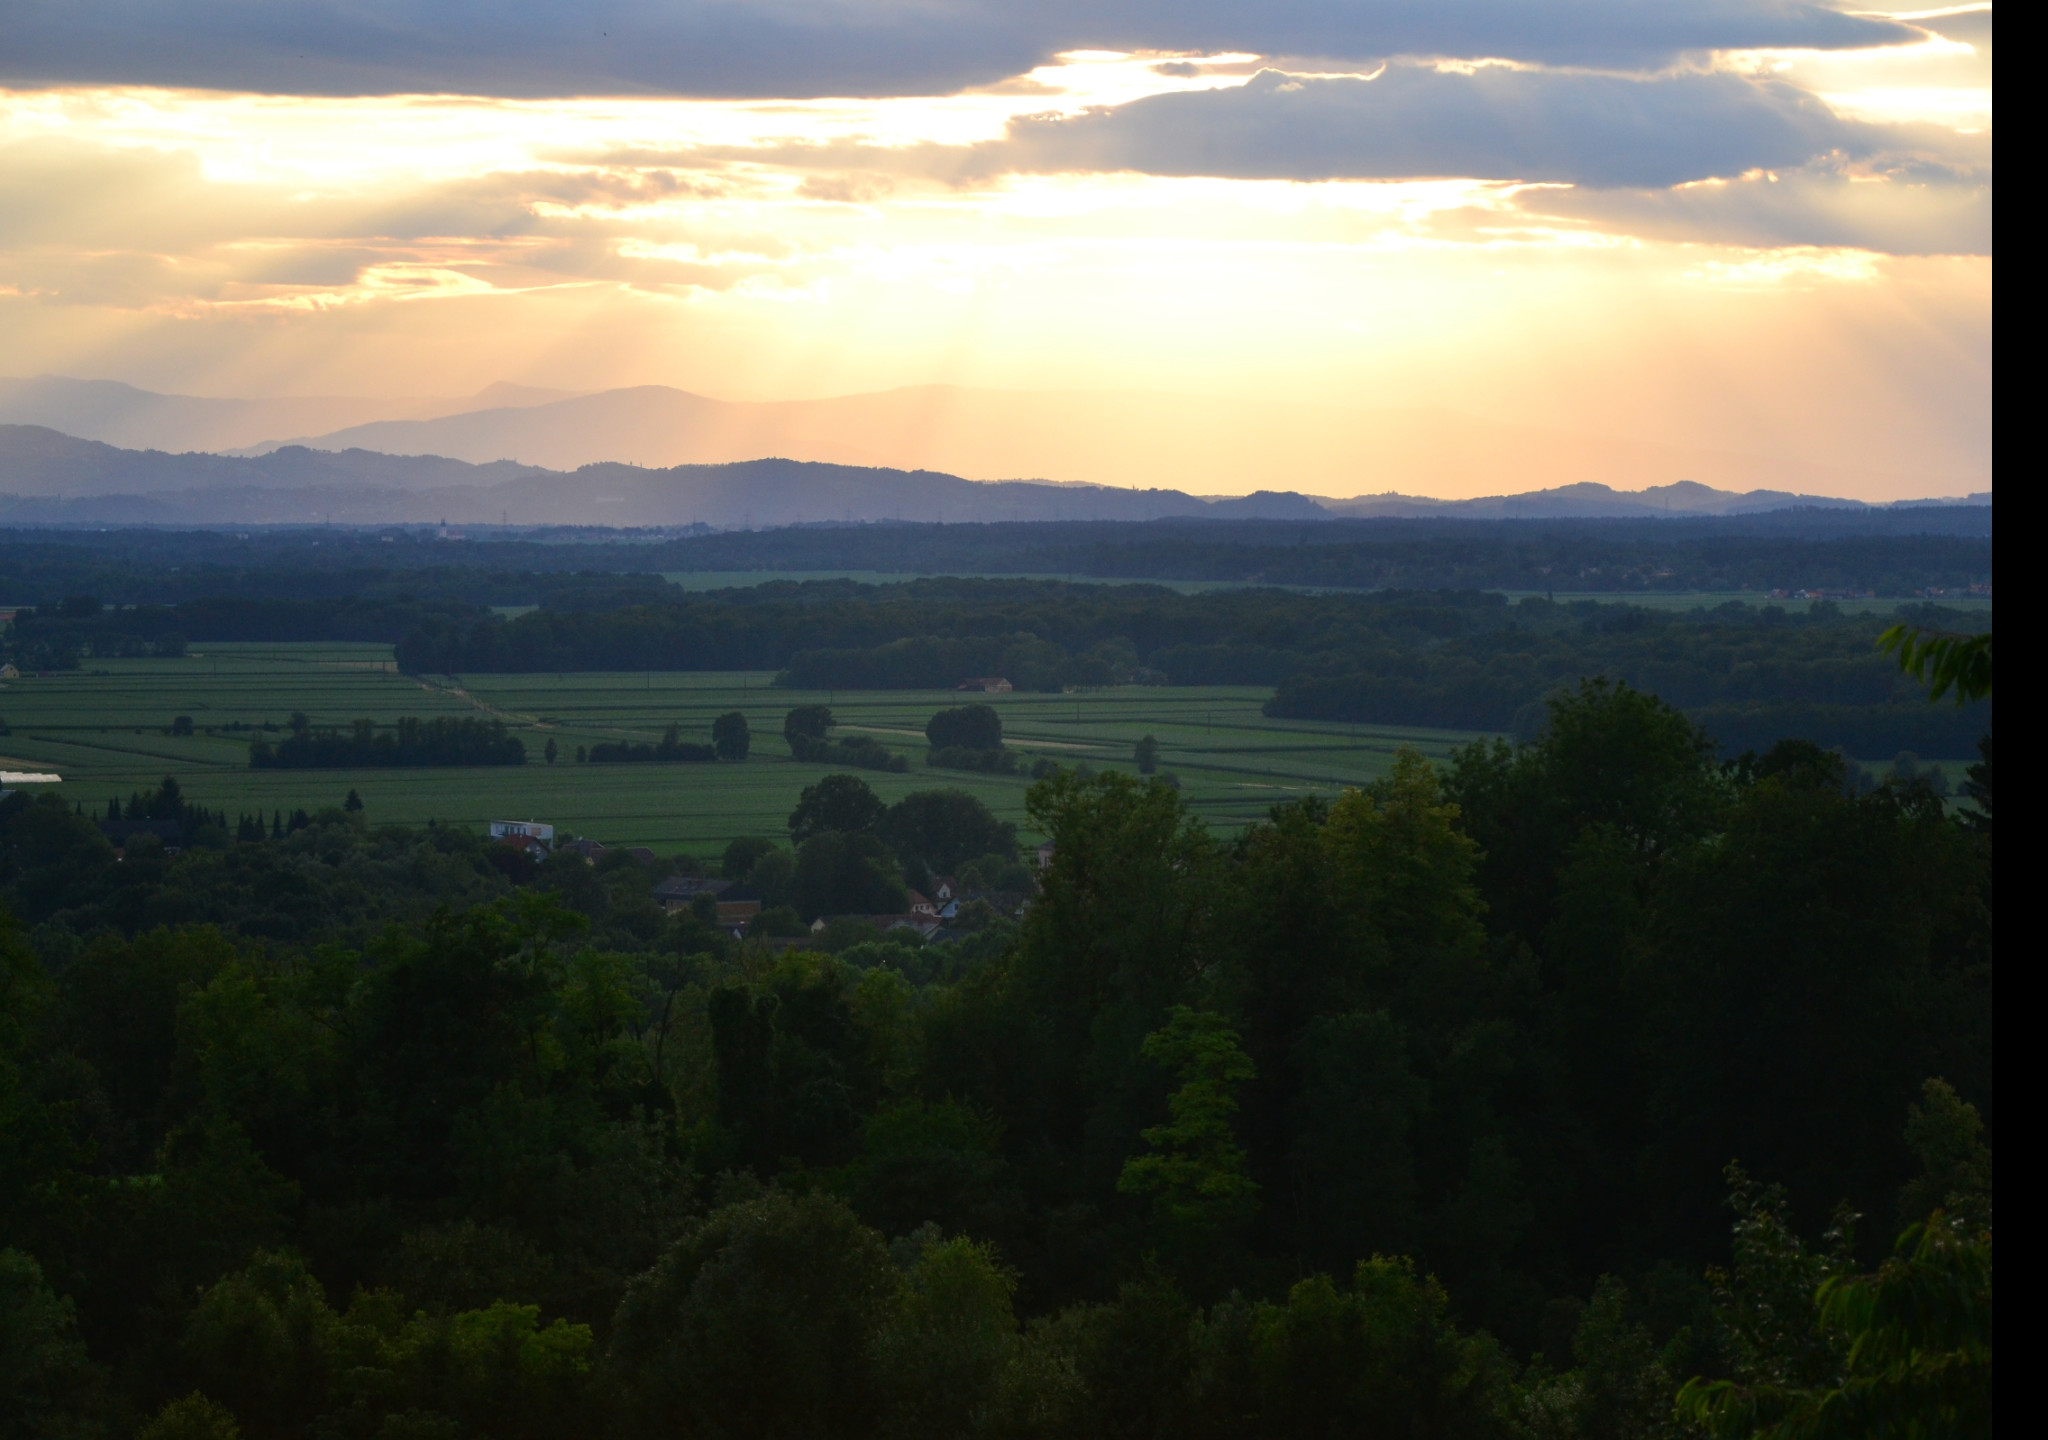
(1749, 225)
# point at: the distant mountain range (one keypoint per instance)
(145, 420)
(1124, 439)
(50, 478)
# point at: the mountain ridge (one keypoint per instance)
(1122, 438)
(116, 413)
(50, 478)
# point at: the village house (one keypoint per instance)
(925, 926)
(678, 892)
(987, 685)
(1003, 902)
(527, 834)
(737, 914)
(530, 844)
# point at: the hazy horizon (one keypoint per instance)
(1205, 445)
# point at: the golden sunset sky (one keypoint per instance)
(1754, 227)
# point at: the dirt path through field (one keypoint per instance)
(510, 717)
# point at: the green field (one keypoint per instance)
(103, 729)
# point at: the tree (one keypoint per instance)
(1118, 930)
(1978, 787)
(354, 803)
(740, 855)
(1351, 1156)
(47, 1385)
(1945, 1135)
(1943, 660)
(549, 751)
(841, 803)
(192, 1418)
(261, 1341)
(168, 803)
(1612, 762)
(265, 1340)
(1381, 1357)
(1915, 1341)
(933, 1161)
(1831, 946)
(967, 727)
(1196, 1171)
(1624, 1391)
(1146, 753)
(772, 878)
(944, 829)
(944, 1351)
(806, 728)
(730, 736)
(761, 1322)
(841, 874)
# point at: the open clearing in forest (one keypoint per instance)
(103, 728)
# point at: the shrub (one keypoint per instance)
(967, 727)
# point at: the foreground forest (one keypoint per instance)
(1498, 1100)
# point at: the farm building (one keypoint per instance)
(524, 830)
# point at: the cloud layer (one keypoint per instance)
(793, 48)
(1489, 122)
(1708, 217)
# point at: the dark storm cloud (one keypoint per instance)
(796, 48)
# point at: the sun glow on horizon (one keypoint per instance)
(766, 249)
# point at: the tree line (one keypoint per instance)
(58, 636)
(410, 741)
(1892, 553)
(1409, 1111)
(1456, 660)
(1895, 553)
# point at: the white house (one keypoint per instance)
(523, 830)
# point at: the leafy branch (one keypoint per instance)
(1943, 660)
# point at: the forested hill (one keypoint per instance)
(1459, 660)
(1898, 552)
(1888, 552)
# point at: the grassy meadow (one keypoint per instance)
(103, 729)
